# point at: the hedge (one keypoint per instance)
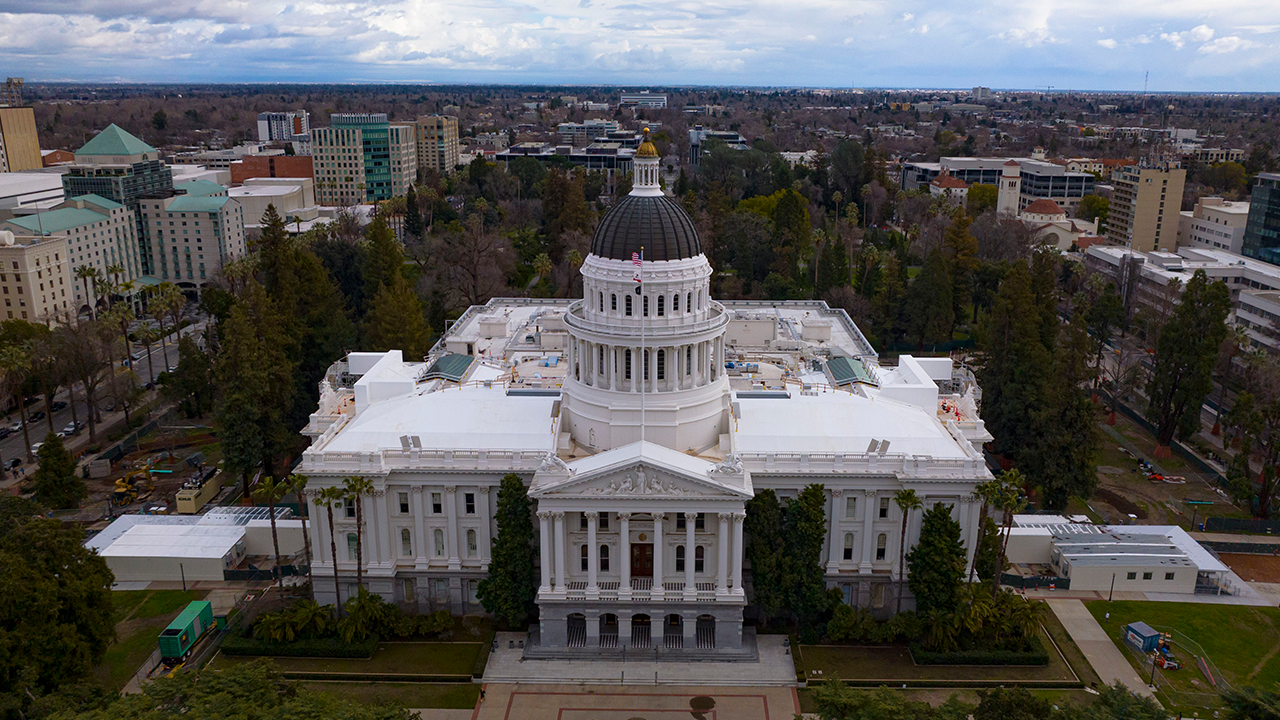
(1036, 655)
(331, 647)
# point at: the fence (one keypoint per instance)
(1198, 683)
(257, 575)
(129, 442)
(1035, 581)
(144, 672)
(1242, 548)
(1242, 525)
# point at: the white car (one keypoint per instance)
(69, 429)
(15, 427)
(36, 448)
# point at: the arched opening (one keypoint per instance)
(627, 309)
(662, 305)
(626, 365)
(706, 632)
(604, 558)
(699, 555)
(640, 631)
(688, 302)
(608, 630)
(471, 543)
(438, 538)
(662, 359)
(613, 302)
(646, 306)
(673, 632)
(585, 553)
(600, 305)
(680, 558)
(576, 630)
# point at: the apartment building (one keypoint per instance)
(34, 277)
(19, 143)
(1213, 156)
(586, 131)
(1215, 223)
(96, 232)
(1262, 230)
(1145, 206)
(644, 98)
(363, 158)
(437, 140)
(279, 126)
(193, 236)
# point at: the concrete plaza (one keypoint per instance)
(604, 702)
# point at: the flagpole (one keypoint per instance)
(644, 350)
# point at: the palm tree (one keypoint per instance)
(174, 303)
(114, 271)
(987, 492)
(271, 491)
(156, 309)
(147, 335)
(356, 488)
(298, 485)
(15, 364)
(907, 501)
(87, 273)
(327, 498)
(310, 619)
(1010, 501)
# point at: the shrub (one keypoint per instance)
(848, 624)
(1034, 655)
(331, 647)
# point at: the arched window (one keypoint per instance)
(882, 545)
(626, 364)
(406, 543)
(699, 553)
(675, 303)
(351, 546)
(604, 558)
(646, 306)
(662, 361)
(600, 362)
(585, 558)
(679, 558)
(688, 302)
(688, 360)
(848, 546)
(471, 543)
(627, 310)
(600, 306)
(438, 539)
(662, 305)
(645, 370)
(613, 302)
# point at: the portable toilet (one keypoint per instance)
(1142, 636)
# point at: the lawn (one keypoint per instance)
(148, 612)
(1243, 642)
(407, 658)
(125, 601)
(167, 602)
(893, 663)
(453, 696)
(1079, 698)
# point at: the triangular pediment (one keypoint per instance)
(642, 470)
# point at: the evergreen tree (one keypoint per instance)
(383, 258)
(987, 560)
(413, 215)
(804, 534)
(564, 208)
(56, 484)
(886, 304)
(511, 587)
(929, 306)
(763, 527)
(1182, 373)
(1015, 365)
(937, 562)
(962, 252)
(833, 270)
(396, 321)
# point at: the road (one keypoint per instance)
(13, 445)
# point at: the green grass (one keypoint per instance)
(1243, 642)
(166, 602)
(1069, 649)
(401, 657)
(124, 601)
(1061, 698)
(454, 696)
(127, 654)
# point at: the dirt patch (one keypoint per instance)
(1253, 568)
(1123, 504)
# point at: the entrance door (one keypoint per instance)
(642, 560)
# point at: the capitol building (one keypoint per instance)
(642, 417)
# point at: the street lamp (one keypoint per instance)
(1113, 587)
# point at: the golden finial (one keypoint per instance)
(646, 148)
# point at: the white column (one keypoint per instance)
(738, 519)
(420, 547)
(868, 531)
(380, 528)
(544, 543)
(722, 563)
(624, 559)
(658, 548)
(593, 557)
(690, 589)
(486, 517)
(834, 547)
(560, 542)
(451, 538)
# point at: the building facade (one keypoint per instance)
(272, 166)
(362, 158)
(293, 125)
(19, 142)
(644, 99)
(641, 431)
(1262, 229)
(1037, 178)
(1214, 223)
(193, 236)
(437, 139)
(582, 133)
(35, 277)
(1145, 205)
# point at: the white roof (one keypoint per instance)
(839, 422)
(175, 541)
(472, 418)
(643, 451)
(1203, 559)
(264, 190)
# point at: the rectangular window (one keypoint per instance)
(404, 502)
(406, 543)
(437, 507)
(1131, 576)
(851, 506)
(349, 507)
(603, 522)
(470, 499)
(701, 522)
(1146, 576)
(884, 507)
(1168, 576)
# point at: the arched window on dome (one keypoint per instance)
(662, 305)
(646, 306)
(675, 303)
(626, 363)
(600, 355)
(628, 310)
(688, 302)
(613, 302)
(688, 360)
(600, 305)
(662, 362)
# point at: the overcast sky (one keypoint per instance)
(1217, 45)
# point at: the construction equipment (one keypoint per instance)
(133, 487)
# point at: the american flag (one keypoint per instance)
(635, 260)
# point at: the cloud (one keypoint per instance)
(1029, 37)
(1108, 43)
(1228, 44)
(1199, 33)
(908, 17)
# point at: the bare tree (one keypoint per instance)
(1001, 237)
(86, 352)
(475, 261)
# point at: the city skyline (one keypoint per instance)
(1090, 45)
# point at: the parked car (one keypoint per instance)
(12, 463)
(37, 415)
(16, 426)
(5, 432)
(60, 405)
(36, 448)
(70, 429)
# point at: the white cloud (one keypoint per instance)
(1199, 33)
(1228, 44)
(1108, 43)
(908, 17)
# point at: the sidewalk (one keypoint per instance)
(1106, 659)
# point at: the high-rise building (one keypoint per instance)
(275, 126)
(363, 158)
(19, 144)
(1214, 223)
(36, 276)
(120, 167)
(438, 143)
(1262, 232)
(192, 236)
(1145, 206)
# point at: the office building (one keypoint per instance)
(1262, 230)
(1145, 206)
(193, 235)
(1214, 223)
(980, 93)
(1037, 178)
(1215, 155)
(120, 167)
(272, 166)
(585, 131)
(611, 159)
(294, 125)
(28, 189)
(643, 99)
(35, 276)
(19, 144)
(437, 139)
(294, 200)
(362, 158)
(222, 159)
(640, 514)
(699, 135)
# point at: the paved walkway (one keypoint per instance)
(439, 714)
(604, 702)
(1107, 659)
(775, 667)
